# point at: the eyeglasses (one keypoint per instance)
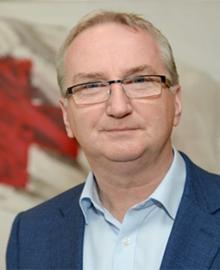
(143, 86)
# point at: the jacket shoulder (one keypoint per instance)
(203, 186)
(193, 168)
(36, 233)
(65, 200)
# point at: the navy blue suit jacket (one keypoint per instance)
(50, 236)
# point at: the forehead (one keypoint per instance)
(111, 48)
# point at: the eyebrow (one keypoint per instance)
(88, 76)
(82, 76)
(143, 68)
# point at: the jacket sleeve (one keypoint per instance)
(12, 254)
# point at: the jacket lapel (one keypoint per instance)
(194, 240)
(66, 237)
(195, 237)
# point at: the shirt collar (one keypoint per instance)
(89, 196)
(167, 195)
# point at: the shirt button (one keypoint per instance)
(126, 241)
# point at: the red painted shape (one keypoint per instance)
(23, 123)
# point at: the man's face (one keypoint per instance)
(120, 129)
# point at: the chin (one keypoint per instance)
(124, 156)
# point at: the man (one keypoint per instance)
(144, 205)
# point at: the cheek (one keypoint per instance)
(158, 116)
(169, 113)
(74, 121)
(83, 121)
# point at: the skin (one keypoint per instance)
(126, 141)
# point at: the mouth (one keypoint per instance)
(120, 130)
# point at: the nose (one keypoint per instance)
(118, 104)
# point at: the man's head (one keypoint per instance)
(124, 97)
(126, 19)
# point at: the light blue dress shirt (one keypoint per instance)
(139, 242)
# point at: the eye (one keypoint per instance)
(92, 85)
(140, 80)
(87, 86)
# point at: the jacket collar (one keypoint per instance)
(67, 234)
(194, 239)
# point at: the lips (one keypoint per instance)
(121, 129)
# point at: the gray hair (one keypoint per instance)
(129, 19)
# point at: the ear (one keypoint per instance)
(177, 105)
(63, 106)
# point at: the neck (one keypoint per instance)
(125, 184)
